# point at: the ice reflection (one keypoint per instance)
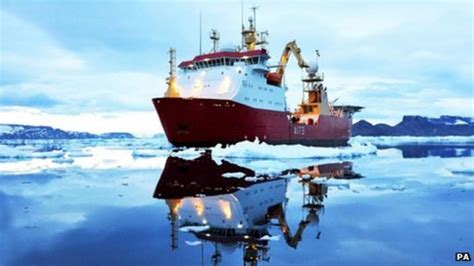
(206, 200)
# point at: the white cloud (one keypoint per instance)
(28, 49)
(142, 124)
(386, 57)
(88, 99)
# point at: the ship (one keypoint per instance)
(232, 94)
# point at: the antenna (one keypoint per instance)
(242, 21)
(200, 32)
(215, 36)
(254, 9)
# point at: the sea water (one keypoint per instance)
(93, 202)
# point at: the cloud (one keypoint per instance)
(139, 123)
(28, 50)
(89, 59)
(40, 71)
(35, 100)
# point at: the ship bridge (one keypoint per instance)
(225, 58)
(238, 76)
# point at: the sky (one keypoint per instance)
(95, 65)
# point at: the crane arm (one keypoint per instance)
(276, 77)
(285, 56)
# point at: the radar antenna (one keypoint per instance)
(215, 36)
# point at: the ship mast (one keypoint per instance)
(172, 90)
(250, 37)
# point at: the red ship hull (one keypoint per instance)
(207, 122)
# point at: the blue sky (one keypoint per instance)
(95, 65)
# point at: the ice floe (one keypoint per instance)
(234, 175)
(270, 238)
(193, 243)
(248, 149)
(197, 228)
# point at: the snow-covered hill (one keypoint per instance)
(11, 131)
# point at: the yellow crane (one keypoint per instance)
(275, 78)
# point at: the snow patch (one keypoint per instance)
(460, 122)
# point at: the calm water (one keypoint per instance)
(406, 206)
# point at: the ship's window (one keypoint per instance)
(260, 100)
(254, 99)
(240, 71)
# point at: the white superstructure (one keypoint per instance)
(225, 78)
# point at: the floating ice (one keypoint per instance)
(247, 149)
(254, 178)
(193, 243)
(27, 167)
(469, 185)
(24, 159)
(234, 175)
(194, 228)
(460, 167)
(28, 152)
(270, 238)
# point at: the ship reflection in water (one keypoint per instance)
(229, 206)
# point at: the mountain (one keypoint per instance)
(11, 131)
(418, 126)
(117, 135)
